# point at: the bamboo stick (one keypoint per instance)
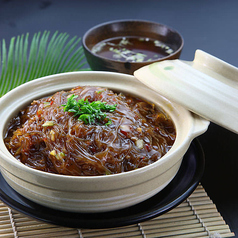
(21, 218)
(6, 231)
(230, 234)
(5, 220)
(114, 235)
(204, 207)
(165, 221)
(174, 233)
(131, 227)
(208, 215)
(41, 231)
(220, 228)
(214, 223)
(3, 205)
(169, 215)
(174, 228)
(200, 201)
(3, 209)
(5, 226)
(211, 219)
(49, 235)
(34, 227)
(4, 213)
(180, 209)
(196, 235)
(169, 224)
(207, 211)
(29, 223)
(111, 231)
(7, 235)
(197, 195)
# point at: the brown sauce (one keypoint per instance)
(132, 49)
(45, 137)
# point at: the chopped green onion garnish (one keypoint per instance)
(89, 113)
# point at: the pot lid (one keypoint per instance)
(206, 86)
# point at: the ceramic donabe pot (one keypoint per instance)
(99, 193)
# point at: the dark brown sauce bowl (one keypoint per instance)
(125, 28)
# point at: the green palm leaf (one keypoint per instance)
(23, 62)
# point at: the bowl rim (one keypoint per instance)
(131, 20)
(17, 164)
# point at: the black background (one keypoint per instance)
(210, 25)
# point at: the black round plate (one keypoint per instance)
(183, 184)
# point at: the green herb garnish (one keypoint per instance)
(89, 113)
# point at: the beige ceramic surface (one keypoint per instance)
(101, 193)
(207, 86)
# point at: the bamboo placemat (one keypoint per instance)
(195, 217)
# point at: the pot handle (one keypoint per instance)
(200, 125)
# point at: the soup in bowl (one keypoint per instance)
(127, 45)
